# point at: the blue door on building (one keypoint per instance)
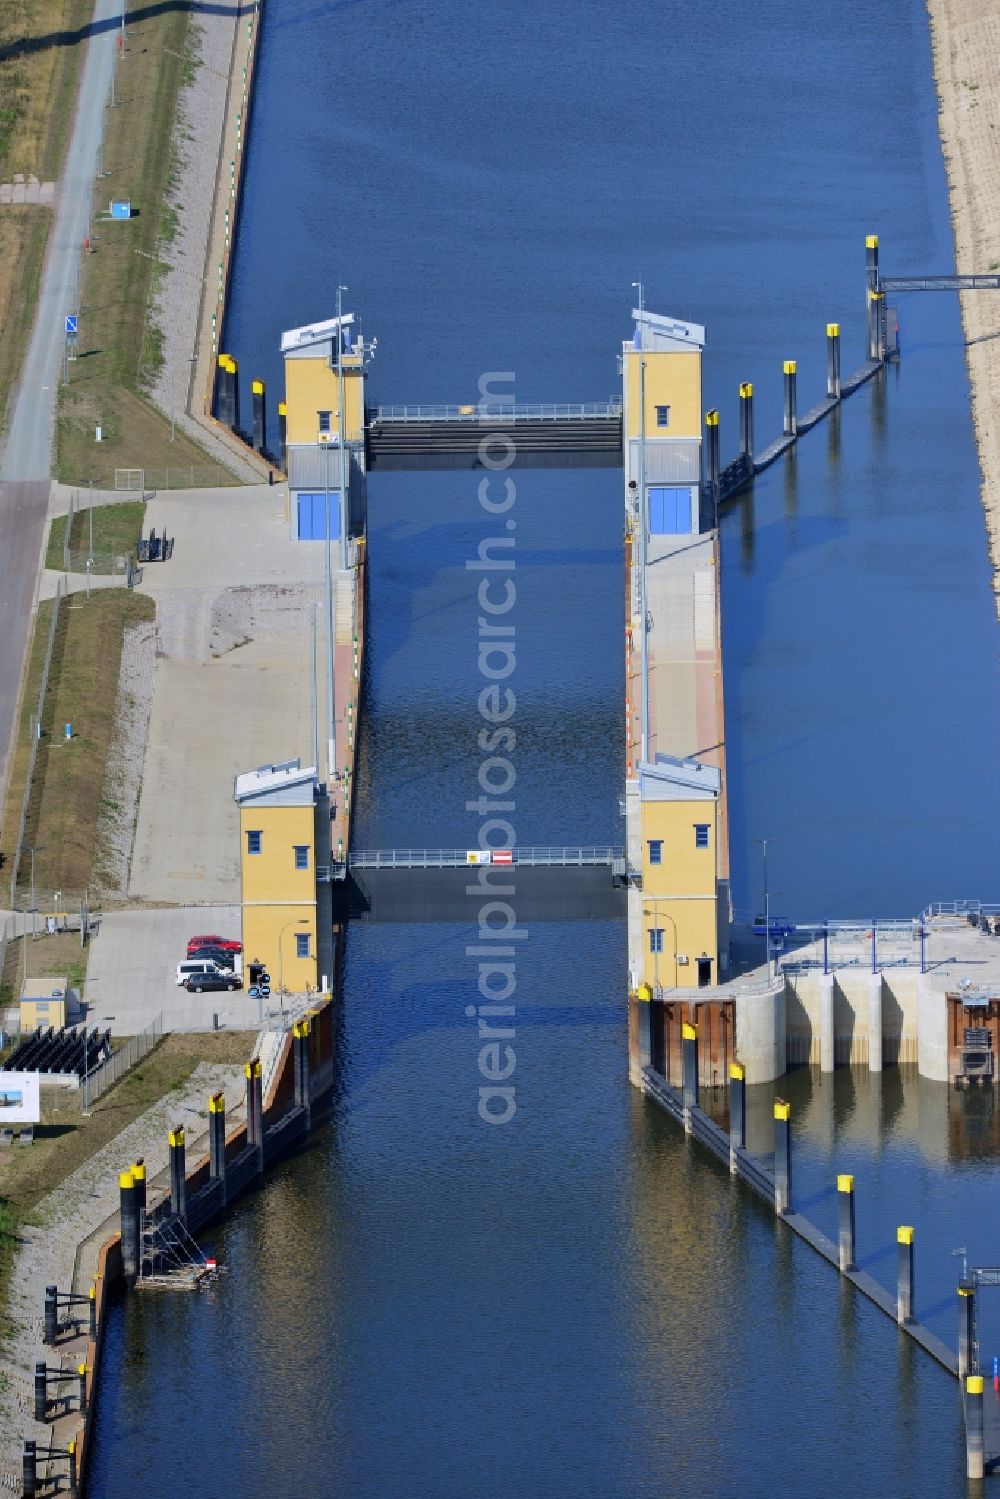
(312, 516)
(669, 511)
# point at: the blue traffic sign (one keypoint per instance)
(265, 991)
(72, 319)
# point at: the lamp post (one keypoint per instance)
(767, 908)
(33, 850)
(331, 739)
(300, 921)
(341, 430)
(191, 359)
(643, 641)
(655, 903)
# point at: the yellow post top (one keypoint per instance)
(223, 361)
(234, 364)
(746, 390)
(176, 1138)
(790, 366)
(737, 1071)
(967, 1290)
(845, 1183)
(871, 241)
(644, 992)
(139, 1171)
(300, 1028)
(252, 1069)
(125, 1180)
(257, 386)
(92, 1293)
(81, 1369)
(973, 1384)
(833, 330)
(217, 1103)
(282, 409)
(904, 1234)
(874, 296)
(782, 1110)
(711, 418)
(71, 1446)
(689, 1032)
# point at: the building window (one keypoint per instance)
(656, 850)
(301, 856)
(701, 835)
(325, 419)
(302, 940)
(656, 939)
(663, 416)
(254, 842)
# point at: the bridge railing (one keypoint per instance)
(461, 858)
(959, 908)
(501, 412)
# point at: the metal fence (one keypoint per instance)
(499, 411)
(35, 728)
(122, 1061)
(459, 858)
(142, 482)
(102, 564)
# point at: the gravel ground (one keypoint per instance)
(73, 1213)
(194, 625)
(200, 122)
(123, 778)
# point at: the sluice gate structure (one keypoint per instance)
(583, 435)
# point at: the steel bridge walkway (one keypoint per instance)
(461, 858)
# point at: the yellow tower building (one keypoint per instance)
(323, 362)
(661, 415)
(679, 891)
(284, 821)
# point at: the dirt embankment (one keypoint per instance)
(965, 38)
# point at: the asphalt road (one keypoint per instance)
(27, 459)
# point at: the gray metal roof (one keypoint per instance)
(287, 783)
(656, 333)
(668, 779)
(314, 333)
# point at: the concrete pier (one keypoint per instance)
(827, 1060)
(875, 1022)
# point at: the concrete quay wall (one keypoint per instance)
(285, 1124)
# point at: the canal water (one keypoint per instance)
(574, 1303)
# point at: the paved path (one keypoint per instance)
(24, 469)
(28, 190)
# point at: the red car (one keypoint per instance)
(226, 943)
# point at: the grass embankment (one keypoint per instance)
(116, 530)
(65, 1139)
(119, 351)
(37, 90)
(60, 955)
(68, 783)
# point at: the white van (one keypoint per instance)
(193, 966)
